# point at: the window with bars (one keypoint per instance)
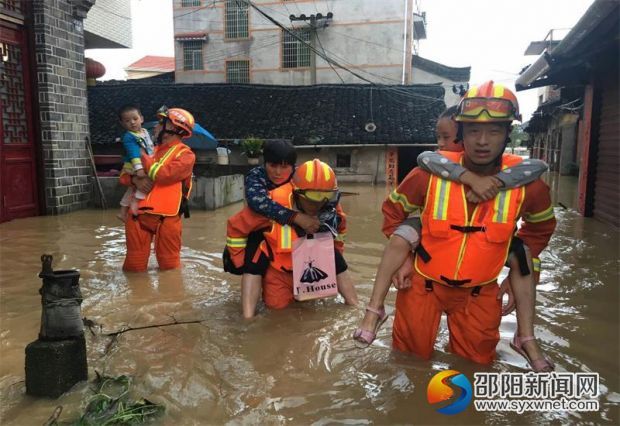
(236, 19)
(296, 54)
(190, 3)
(238, 71)
(192, 55)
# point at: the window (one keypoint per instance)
(190, 3)
(236, 19)
(343, 160)
(238, 71)
(192, 55)
(11, 5)
(296, 54)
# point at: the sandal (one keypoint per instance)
(540, 365)
(364, 338)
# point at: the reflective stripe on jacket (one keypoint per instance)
(467, 251)
(280, 237)
(165, 200)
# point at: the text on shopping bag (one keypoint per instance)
(314, 267)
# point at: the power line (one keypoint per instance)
(212, 6)
(332, 61)
(316, 34)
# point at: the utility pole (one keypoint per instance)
(315, 21)
(313, 48)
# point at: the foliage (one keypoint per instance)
(252, 147)
(518, 137)
(111, 404)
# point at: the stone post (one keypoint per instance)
(57, 359)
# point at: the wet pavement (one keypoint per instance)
(299, 365)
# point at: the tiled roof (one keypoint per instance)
(322, 115)
(452, 73)
(153, 63)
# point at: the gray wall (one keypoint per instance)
(425, 77)
(368, 33)
(63, 109)
(207, 193)
(108, 24)
(367, 162)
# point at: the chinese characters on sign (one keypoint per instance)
(391, 168)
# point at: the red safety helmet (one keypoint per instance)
(316, 181)
(488, 103)
(181, 119)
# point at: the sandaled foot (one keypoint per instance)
(528, 348)
(367, 332)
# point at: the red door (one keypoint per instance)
(18, 174)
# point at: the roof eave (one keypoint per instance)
(534, 75)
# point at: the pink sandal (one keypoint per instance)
(540, 365)
(364, 338)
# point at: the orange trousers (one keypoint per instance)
(473, 320)
(277, 288)
(139, 234)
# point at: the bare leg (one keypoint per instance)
(346, 288)
(122, 214)
(133, 205)
(250, 294)
(395, 253)
(524, 291)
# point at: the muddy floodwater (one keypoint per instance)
(298, 365)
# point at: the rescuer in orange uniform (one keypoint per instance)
(313, 190)
(167, 185)
(465, 245)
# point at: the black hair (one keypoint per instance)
(449, 112)
(126, 108)
(279, 152)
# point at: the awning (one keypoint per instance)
(191, 37)
(571, 49)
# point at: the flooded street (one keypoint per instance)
(298, 365)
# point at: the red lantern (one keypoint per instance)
(94, 70)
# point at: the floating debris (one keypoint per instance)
(111, 404)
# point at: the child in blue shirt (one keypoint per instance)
(136, 141)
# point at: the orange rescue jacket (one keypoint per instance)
(467, 251)
(279, 239)
(165, 199)
(278, 242)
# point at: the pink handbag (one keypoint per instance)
(314, 267)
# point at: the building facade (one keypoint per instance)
(579, 126)
(44, 130)
(455, 80)
(231, 41)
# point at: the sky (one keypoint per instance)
(488, 35)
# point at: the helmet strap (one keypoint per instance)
(459, 132)
(498, 160)
(160, 136)
(297, 204)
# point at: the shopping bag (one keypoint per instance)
(314, 267)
